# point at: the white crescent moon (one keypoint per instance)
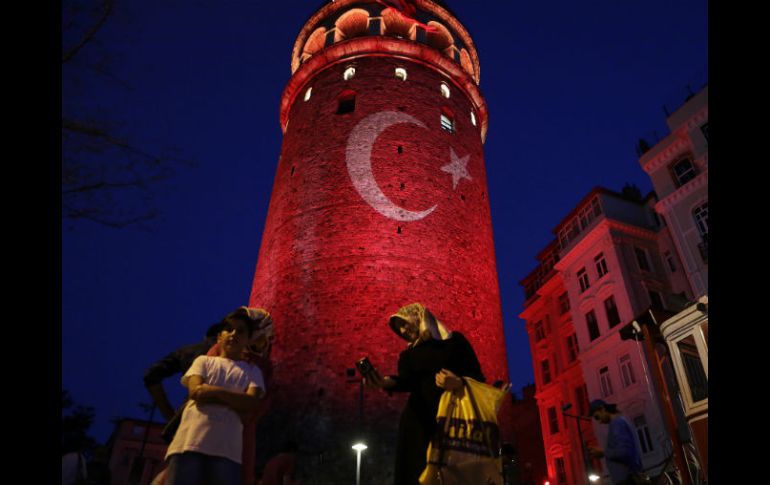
(358, 157)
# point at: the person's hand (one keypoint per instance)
(203, 394)
(375, 381)
(448, 381)
(595, 452)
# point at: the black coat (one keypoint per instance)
(417, 369)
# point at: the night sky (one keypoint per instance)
(571, 87)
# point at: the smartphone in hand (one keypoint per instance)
(366, 368)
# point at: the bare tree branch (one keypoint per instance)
(88, 36)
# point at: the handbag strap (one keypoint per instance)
(478, 416)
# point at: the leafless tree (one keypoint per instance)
(106, 178)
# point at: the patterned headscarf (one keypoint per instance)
(263, 327)
(423, 318)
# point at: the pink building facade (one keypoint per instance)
(609, 264)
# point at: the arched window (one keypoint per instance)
(445, 90)
(346, 102)
(349, 73)
(401, 73)
(701, 216)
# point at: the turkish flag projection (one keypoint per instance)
(371, 210)
(407, 10)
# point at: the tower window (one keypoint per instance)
(347, 103)
(445, 90)
(447, 123)
(401, 73)
(349, 73)
(308, 93)
(473, 118)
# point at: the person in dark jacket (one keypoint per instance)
(176, 362)
(433, 362)
(624, 460)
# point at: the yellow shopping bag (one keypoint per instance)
(465, 449)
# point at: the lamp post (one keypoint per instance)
(359, 447)
(591, 476)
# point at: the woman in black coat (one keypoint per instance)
(431, 364)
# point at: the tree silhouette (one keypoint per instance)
(76, 420)
(106, 178)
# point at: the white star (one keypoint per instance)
(457, 167)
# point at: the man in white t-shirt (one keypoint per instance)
(207, 447)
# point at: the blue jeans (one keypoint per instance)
(191, 468)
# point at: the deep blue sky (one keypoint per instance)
(571, 86)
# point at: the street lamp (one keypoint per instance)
(359, 447)
(591, 476)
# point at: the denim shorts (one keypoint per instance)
(191, 468)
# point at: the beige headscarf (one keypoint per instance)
(263, 327)
(429, 326)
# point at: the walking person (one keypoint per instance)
(622, 454)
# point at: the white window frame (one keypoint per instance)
(585, 283)
(627, 376)
(684, 175)
(700, 215)
(601, 264)
(605, 382)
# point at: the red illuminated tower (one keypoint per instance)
(379, 200)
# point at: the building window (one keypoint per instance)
(572, 348)
(627, 371)
(583, 280)
(349, 73)
(643, 433)
(670, 261)
(308, 93)
(605, 381)
(445, 90)
(613, 317)
(553, 421)
(641, 259)
(447, 122)
(693, 368)
(545, 369)
(656, 302)
(401, 73)
(683, 171)
(473, 118)
(347, 103)
(539, 331)
(701, 216)
(563, 303)
(705, 130)
(601, 265)
(581, 398)
(561, 473)
(593, 326)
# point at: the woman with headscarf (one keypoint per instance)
(431, 363)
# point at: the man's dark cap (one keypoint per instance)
(595, 405)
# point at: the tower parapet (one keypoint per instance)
(344, 30)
